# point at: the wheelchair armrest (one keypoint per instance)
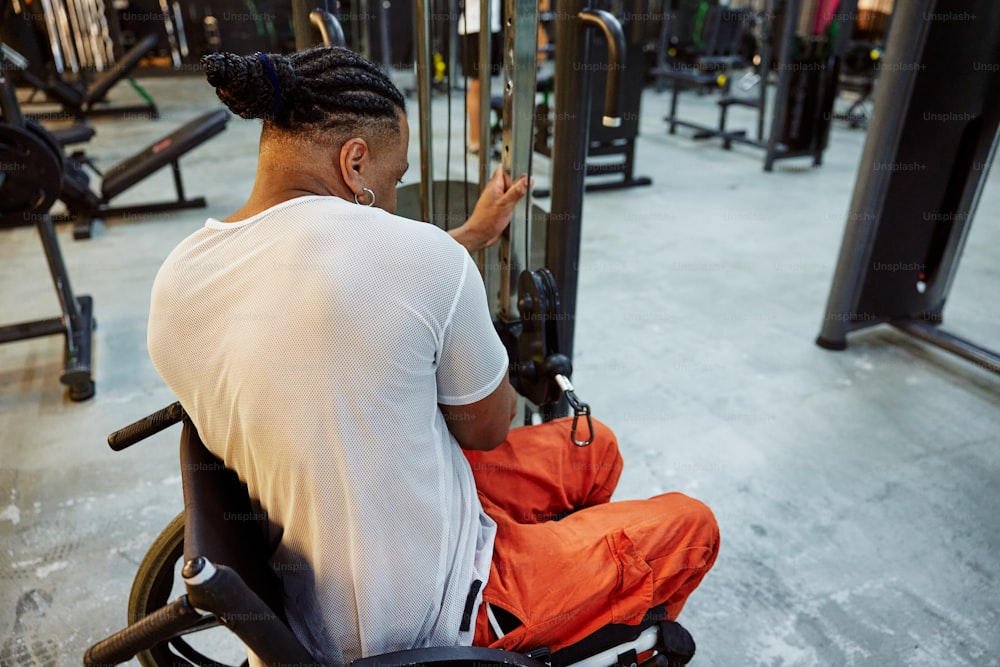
(220, 590)
(162, 624)
(449, 656)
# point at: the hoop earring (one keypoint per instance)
(371, 203)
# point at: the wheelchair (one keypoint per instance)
(218, 550)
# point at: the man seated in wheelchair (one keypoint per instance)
(342, 360)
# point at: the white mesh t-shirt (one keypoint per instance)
(311, 344)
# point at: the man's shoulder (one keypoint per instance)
(424, 245)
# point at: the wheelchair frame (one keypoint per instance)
(229, 583)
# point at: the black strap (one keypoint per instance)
(507, 621)
(469, 604)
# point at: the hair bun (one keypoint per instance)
(256, 86)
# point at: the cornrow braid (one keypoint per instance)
(324, 88)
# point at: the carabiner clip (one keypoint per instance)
(580, 409)
(585, 410)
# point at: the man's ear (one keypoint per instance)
(355, 161)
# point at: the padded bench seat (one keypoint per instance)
(127, 173)
(76, 133)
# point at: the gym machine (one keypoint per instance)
(698, 48)
(31, 169)
(806, 54)
(933, 136)
(357, 19)
(82, 203)
(623, 43)
(862, 59)
(531, 274)
(81, 47)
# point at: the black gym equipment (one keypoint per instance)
(78, 100)
(570, 144)
(87, 102)
(380, 30)
(862, 59)
(719, 36)
(932, 139)
(83, 204)
(807, 66)
(622, 46)
(549, 239)
(31, 167)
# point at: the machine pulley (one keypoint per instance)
(541, 372)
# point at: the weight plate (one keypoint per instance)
(30, 175)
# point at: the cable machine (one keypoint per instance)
(932, 139)
(531, 274)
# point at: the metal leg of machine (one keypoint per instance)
(30, 178)
(77, 322)
(921, 176)
(570, 143)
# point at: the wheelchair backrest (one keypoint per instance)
(221, 523)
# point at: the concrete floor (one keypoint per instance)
(856, 491)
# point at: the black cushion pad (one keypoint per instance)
(162, 152)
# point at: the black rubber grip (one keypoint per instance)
(145, 427)
(161, 625)
(226, 595)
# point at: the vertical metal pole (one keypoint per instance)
(569, 155)
(765, 64)
(488, 259)
(362, 25)
(485, 76)
(60, 279)
(792, 9)
(896, 84)
(846, 12)
(519, 79)
(302, 24)
(424, 74)
(383, 34)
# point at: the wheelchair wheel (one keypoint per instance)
(157, 582)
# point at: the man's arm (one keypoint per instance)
(483, 425)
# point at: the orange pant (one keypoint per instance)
(566, 561)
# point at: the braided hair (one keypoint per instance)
(317, 91)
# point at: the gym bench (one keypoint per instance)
(29, 142)
(82, 103)
(706, 69)
(84, 205)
